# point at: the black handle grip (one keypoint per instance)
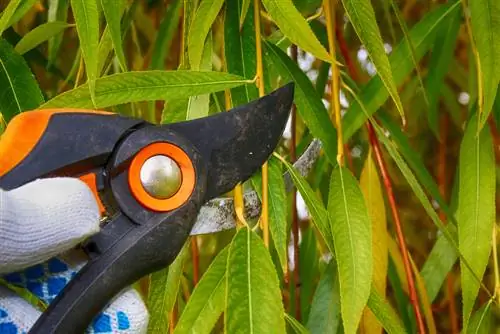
(141, 250)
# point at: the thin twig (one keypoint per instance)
(388, 188)
(260, 84)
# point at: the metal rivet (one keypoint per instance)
(161, 177)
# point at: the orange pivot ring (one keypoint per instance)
(187, 177)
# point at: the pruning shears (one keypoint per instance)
(150, 182)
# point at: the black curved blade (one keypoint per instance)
(237, 143)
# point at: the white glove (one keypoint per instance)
(38, 221)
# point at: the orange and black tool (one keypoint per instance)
(150, 182)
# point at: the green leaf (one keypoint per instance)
(476, 208)
(352, 236)
(164, 286)
(480, 322)
(314, 205)
(165, 34)
(239, 52)
(253, 298)
(325, 306)
(294, 26)
(87, 25)
(308, 101)
(198, 105)
(244, 10)
(485, 26)
(58, 11)
(362, 18)
(7, 14)
(20, 91)
(146, 86)
(441, 56)
(385, 314)
(297, 327)
(202, 21)
(174, 111)
(21, 10)
(39, 35)
(374, 94)
(113, 10)
(308, 269)
(372, 192)
(206, 303)
(277, 207)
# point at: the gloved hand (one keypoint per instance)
(40, 223)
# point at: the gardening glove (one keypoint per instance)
(40, 223)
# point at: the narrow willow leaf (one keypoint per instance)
(425, 303)
(20, 91)
(400, 296)
(198, 106)
(277, 207)
(206, 303)
(244, 10)
(58, 11)
(253, 298)
(240, 52)
(202, 21)
(314, 205)
(308, 101)
(385, 313)
(21, 10)
(441, 56)
(297, 327)
(480, 322)
(325, 306)
(372, 192)
(374, 94)
(7, 14)
(113, 10)
(87, 25)
(39, 35)
(476, 208)
(352, 235)
(294, 26)
(164, 286)
(308, 269)
(165, 34)
(485, 25)
(362, 18)
(438, 264)
(146, 86)
(174, 110)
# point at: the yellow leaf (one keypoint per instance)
(372, 191)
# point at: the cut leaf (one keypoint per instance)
(374, 94)
(7, 14)
(308, 101)
(164, 286)
(313, 203)
(294, 26)
(253, 303)
(441, 56)
(325, 306)
(362, 18)
(20, 91)
(113, 10)
(87, 25)
(372, 192)
(39, 35)
(277, 208)
(476, 208)
(206, 303)
(485, 26)
(202, 21)
(352, 236)
(385, 313)
(146, 86)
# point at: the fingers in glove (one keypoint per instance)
(126, 313)
(44, 218)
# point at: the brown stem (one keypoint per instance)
(295, 221)
(443, 190)
(388, 188)
(196, 260)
